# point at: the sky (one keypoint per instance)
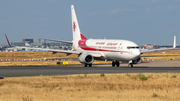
(141, 21)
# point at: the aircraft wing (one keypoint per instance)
(59, 41)
(44, 49)
(51, 50)
(54, 50)
(60, 51)
(154, 50)
(162, 49)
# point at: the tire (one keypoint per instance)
(113, 64)
(117, 63)
(85, 65)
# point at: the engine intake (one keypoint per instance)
(86, 58)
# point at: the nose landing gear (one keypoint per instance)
(130, 65)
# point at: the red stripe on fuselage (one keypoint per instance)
(82, 45)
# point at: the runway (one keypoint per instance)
(155, 67)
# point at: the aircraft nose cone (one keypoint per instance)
(136, 53)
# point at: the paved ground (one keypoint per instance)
(155, 66)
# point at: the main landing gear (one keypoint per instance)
(85, 65)
(115, 63)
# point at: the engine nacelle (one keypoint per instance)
(137, 61)
(86, 58)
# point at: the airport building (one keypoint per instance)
(27, 40)
(149, 46)
(4, 47)
(17, 44)
(36, 43)
(39, 41)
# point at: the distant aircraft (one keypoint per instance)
(89, 50)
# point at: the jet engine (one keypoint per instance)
(86, 58)
(137, 61)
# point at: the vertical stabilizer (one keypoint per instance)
(75, 26)
(174, 45)
(8, 40)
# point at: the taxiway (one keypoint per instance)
(155, 67)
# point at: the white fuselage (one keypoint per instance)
(122, 50)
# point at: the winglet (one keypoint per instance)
(174, 45)
(7, 40)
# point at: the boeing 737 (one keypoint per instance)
(89, 50)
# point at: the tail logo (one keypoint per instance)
(74, 26)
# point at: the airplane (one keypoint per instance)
(89, 50)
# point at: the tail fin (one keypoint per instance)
(75, 26)
(8, 41)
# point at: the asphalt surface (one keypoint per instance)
(155, 67)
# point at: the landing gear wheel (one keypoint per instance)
(113, 63)
(130, 65)
(117, 63)
(85, 65)
(90, 65)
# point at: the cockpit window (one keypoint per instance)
(132, 47)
